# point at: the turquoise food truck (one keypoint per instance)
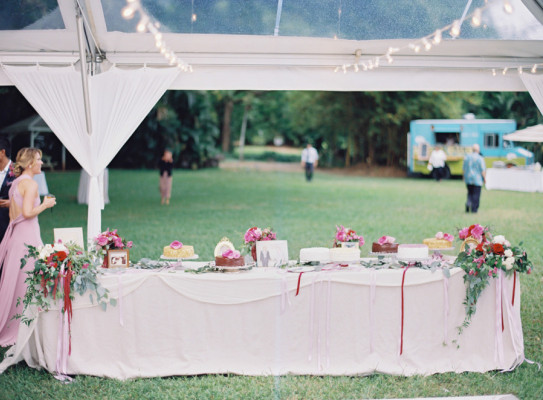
(456, 137)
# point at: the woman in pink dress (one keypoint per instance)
(23, 229)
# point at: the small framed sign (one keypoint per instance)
(118, 258)
(271, 253)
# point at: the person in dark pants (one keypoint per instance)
(6, 177)
(310, 159)
(474, 175)
(165, 184)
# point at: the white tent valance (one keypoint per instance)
(119, 101)
(533, 134)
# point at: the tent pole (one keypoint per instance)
(84, 76)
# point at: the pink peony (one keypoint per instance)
(477, 232)
(361, 240)
(448, 236)
(231, 254)
(129, 244)
(118, 243)
(386, 239)
(463, 234)
(176, 244)
(439, 235)
(102, 240)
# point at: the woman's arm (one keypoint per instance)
(29, 191)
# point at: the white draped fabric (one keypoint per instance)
(534, 84)
(272, 322)
(119, 100)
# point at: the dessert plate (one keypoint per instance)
(194, 257)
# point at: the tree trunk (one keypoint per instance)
(243, 130)
(227, 118)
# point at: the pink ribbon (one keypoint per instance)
(445, 308)
(373, 281)
(498, 341)
(120, 300)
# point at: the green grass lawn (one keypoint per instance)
(209, 204)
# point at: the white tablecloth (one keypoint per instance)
(83, 189)
(252, 323)
(514, 179)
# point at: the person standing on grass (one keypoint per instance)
(437, 161)
(6, 177)
(166, 167)
(474, 175)
(23, 230)
(310, 159)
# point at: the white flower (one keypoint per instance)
(507, 244)
(60, 247)
(508, 253)
(499, 239)
(46, 251)
(509, 261)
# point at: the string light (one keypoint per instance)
(504, 71)
(146, 24)
(477, 18)
(455, 29)
(493, 71)
(507, 7)
(426, 44)
(519, 69)
(534, 69)
(437, 37)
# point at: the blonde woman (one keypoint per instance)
(23, 229)
(166, 167)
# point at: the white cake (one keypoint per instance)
(412, 251)
(344, 255)
(315, 254)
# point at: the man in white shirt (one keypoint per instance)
(437, 161)
(310, 159)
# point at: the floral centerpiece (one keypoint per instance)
(109, 240)
(254, 235)
(346, 237)
(59, 271)
(484, 257)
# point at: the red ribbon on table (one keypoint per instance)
(299, 280)
(68, 303)
(401, 332)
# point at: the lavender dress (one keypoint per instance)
(12, 286)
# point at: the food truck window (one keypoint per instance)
(492, 140)
(447, 138)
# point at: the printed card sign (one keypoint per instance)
(271, 253)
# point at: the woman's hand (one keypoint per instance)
(49, 202)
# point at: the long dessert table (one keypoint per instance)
(521, 180)
(267, 321)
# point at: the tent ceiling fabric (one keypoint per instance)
(231, 43)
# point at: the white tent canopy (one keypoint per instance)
(94, 106)
(533, 134)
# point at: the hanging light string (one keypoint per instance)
(148, 24)
(434, 39)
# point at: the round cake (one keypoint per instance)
(344, 255)
(183, 252)
(221, 261)
(384, 248)
(315, 254)
(434, 243)
(412, 251)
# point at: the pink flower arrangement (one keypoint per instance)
(110, 240)
(231, 254)
(445, 236)
(386, 239)
(477, 231)
(176, 244)
(347, 235)
(256, 234)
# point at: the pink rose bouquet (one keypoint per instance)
(256, 234)
(347, 235)
(110, 240)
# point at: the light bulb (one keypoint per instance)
(437, 37)
(193, 18)
(504, 71)
(389, 58)
(417, 49)
(376, 62)
(158, 36)
(142, 25)
(476, 18)
(344, 67)
(493, 71)
(426, 44)
(455, 29)
(356, 68)
(534, 69)
(520, 71)
(507, 7)
(128, 12)
(336, 69)
(158, 43)
(163, 50)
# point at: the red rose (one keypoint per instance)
(497, 249)
(479, 247)
(60, 255)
